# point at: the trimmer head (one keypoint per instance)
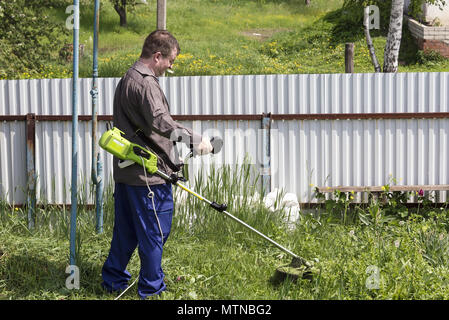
(298, 268)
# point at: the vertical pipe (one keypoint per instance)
(96, 164)
(74, 134)
(266, 154)
(99, 196)
(31, 169)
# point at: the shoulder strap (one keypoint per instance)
(158, 151)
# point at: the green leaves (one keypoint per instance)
(27, 38)
(416, 7)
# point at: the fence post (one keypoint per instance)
(30, 132)
(349, 58)
(266, 153)
(161, 14)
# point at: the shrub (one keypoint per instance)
(429, 57)
(348, 20)
(27, 38)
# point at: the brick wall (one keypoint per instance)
(436, 45)
(430, 37)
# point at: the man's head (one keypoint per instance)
(159, 51)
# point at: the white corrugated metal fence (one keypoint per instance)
(304, 153)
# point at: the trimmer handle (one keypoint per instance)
(216, 142)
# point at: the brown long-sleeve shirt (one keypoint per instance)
(140, 103)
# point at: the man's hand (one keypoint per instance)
(204, 147)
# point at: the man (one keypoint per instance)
(144, 202)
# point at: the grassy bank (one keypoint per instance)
(362, 251)
(220, 37)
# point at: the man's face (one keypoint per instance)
(164, 63)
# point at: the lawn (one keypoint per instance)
(368, 250)
(232, 37)
(380, 249)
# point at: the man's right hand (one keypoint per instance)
(204, 147)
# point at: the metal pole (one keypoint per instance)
(266, 154)
(74, 134)
(31, 168)
(99, 196)
(96, 164)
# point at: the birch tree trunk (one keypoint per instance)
(369, 41)
(393, 44)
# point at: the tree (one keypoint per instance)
(369, 41)
(394, 36)
(27, 37)
(120, 8)
(391, 52)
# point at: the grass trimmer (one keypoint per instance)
(113, 142)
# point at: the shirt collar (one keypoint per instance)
(143, 69)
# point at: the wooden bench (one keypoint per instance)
(376, 191)
(438, 187)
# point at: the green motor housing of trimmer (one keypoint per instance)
(113, 142)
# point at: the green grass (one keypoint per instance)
(219, 37)
(213, 257)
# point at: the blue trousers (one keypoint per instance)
(135, 225)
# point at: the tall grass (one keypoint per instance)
(207, 256)
(196, 228)
(240, 189)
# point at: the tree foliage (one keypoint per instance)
(348, 22)
(349, 19)
(415, 7)
(27, 37)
